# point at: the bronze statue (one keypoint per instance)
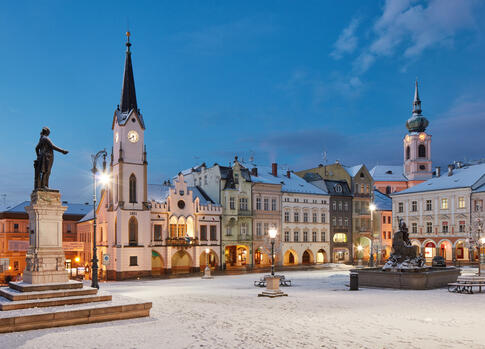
(404, 255)
(45, 158)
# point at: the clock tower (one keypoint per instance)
(417, 145)
(127, 197)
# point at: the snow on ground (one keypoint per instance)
(319, 312)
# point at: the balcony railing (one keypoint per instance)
(245, 213)
(182, 241)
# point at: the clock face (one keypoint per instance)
(133, 136)
(117, 136)
(422, 136)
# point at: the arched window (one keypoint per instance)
(408, 152)
(132, 189)
(422, 151)
(388, 189)
(133, 231)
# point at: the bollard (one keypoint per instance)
(354, 281)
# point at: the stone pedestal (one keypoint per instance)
(207, 273)
(272, 288)
(45, 258)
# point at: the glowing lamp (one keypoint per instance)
(207, 250)
(372, 207)
(104, 178)
(9, 267)
(422, 136)
(77, 259)
(359, 248)
(272, 233)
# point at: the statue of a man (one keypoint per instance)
(45, 158)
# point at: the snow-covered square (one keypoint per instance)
(319, 312)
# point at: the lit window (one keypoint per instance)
(461, 202)
(444, 204)
(340, 237)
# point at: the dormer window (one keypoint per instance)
(389, 172)
(338, 188)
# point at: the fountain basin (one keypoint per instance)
(425, 279)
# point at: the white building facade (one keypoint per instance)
(438, 212)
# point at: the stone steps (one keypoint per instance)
(25, 287)
(15, 295)
(74, 317)
(52, 302)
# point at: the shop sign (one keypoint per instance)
(105, 259)
(73, 246)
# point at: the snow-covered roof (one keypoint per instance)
(480, 189)
(72, 209)
(89, 216)
(294, 184)
(382, 201)
(388, 173)
(160, 192)
(353, 170)
(472, 176)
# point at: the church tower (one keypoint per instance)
(130, 228)
(417, 145)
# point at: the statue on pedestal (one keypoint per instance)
(404, 255)
(45, 158)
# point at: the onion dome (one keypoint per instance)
(417, 122)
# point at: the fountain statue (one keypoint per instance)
(404, 255)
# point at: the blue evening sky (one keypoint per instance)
(280, 81)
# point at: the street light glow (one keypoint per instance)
(372, 207)
(103, 178)
(272, 232)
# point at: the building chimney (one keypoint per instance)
(288, 174)
(450, 170)
(438, 171)
(254, 172)
(274, 169)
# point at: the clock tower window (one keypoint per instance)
(133, 231)
(132, 189)
(421, 151)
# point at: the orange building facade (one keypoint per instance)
(14, 239)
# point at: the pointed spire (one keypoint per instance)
(128, 94)
(417, 102)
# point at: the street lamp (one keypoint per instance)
(103, 178)
(272, 234)
(372, 208)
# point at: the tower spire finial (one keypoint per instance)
(128, 94)
(128, 43)
(417, 102)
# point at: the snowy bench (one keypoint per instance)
(465, 284)
(262, 281)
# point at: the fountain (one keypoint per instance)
(406, 269)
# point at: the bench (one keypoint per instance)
(262, 281)
(465, 284)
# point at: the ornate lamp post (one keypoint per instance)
(272, 234)
(104, 180)
(372, 208)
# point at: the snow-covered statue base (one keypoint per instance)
(404, 255)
